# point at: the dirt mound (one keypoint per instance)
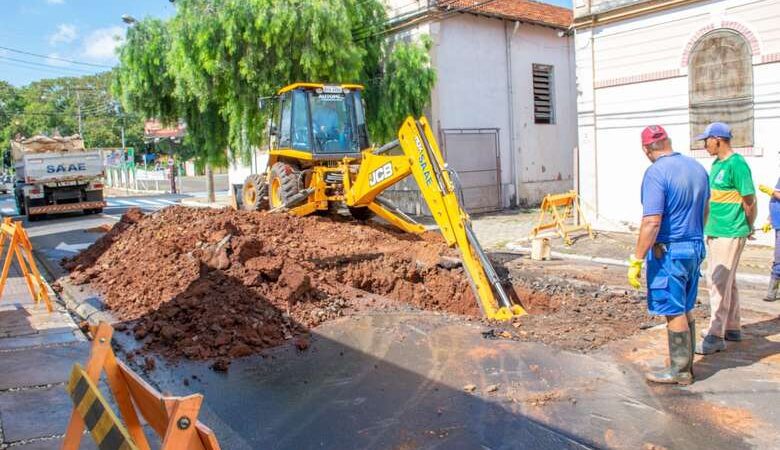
(205, 283)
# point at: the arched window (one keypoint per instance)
(720, 84)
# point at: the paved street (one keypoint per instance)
(391, 380)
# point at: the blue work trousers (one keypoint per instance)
(673, 272)
(776, 263)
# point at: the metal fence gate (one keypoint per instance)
(475, 155)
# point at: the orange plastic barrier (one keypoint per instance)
(564, 214)
(174, 419)
(21, 248)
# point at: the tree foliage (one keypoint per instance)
(214, 59)
(52, 106)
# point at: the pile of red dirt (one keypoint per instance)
(206, 283)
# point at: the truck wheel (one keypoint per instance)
(361, 213)
(284, 183)
(254, 194)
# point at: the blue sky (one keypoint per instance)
(78, 30)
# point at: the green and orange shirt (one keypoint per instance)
(730, 180)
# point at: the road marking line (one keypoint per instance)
(148, 202)
(167, 201)
(8, 210)
(126, 203)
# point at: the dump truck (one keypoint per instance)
(320, 160)
(56, 175)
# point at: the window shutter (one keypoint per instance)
(544, 111)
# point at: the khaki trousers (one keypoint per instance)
(722, 261)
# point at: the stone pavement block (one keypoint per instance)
(22, 321)
(40, 366)
(55, 444)
(15, 321)
(35, 413)
(51, 337)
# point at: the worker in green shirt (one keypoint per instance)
(732, 212)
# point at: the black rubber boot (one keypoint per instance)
(692, 330)
(771, 294)
(680, 358)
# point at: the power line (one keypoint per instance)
(56, 58)
(48, 66)
(53, 72)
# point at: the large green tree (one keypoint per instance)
(214, 59)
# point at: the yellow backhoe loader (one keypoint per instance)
(320, 158)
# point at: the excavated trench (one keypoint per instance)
(222, 284)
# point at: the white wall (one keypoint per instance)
(471, 84)
(472, 91)
(544, 152)
(612, 60)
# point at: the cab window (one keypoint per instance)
(300, 128)
(285, 122)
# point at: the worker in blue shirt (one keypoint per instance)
(675, 194)
(774, 219)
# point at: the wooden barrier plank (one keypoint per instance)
(174, 419)
(104, 426)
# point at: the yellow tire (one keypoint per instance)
(254, 194)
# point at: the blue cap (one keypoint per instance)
(717, 130)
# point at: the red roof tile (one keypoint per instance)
(523, 10)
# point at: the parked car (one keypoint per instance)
(6, 184)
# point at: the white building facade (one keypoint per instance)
(679, 64)
(504, 104)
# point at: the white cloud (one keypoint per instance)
(101, 43)
(65, 34)
(55, 2)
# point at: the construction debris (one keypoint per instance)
(222, 284)
(225, 284)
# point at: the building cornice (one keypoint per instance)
(628, 12)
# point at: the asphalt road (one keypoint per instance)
(396, 379)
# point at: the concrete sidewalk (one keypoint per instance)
(37, 350)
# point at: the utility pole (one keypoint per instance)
(78, 104)
(118, 110)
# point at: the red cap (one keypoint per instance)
(653, 133)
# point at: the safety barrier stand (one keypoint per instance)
(21, 248)
(565, 216)
(174, 419)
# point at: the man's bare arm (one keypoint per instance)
(751, 211)
(648, 232)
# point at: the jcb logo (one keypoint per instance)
(380, 174)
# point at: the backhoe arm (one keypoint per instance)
(422, 159)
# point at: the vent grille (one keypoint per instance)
(544, 111)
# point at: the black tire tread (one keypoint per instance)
(261, 192)
(289, 179)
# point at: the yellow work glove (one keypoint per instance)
(634, 271)
(767, 227)
(766, 189)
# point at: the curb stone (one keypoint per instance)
(743, 277)
(90, 309)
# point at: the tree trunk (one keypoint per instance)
(210, 184)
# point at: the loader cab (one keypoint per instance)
(321, 122)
